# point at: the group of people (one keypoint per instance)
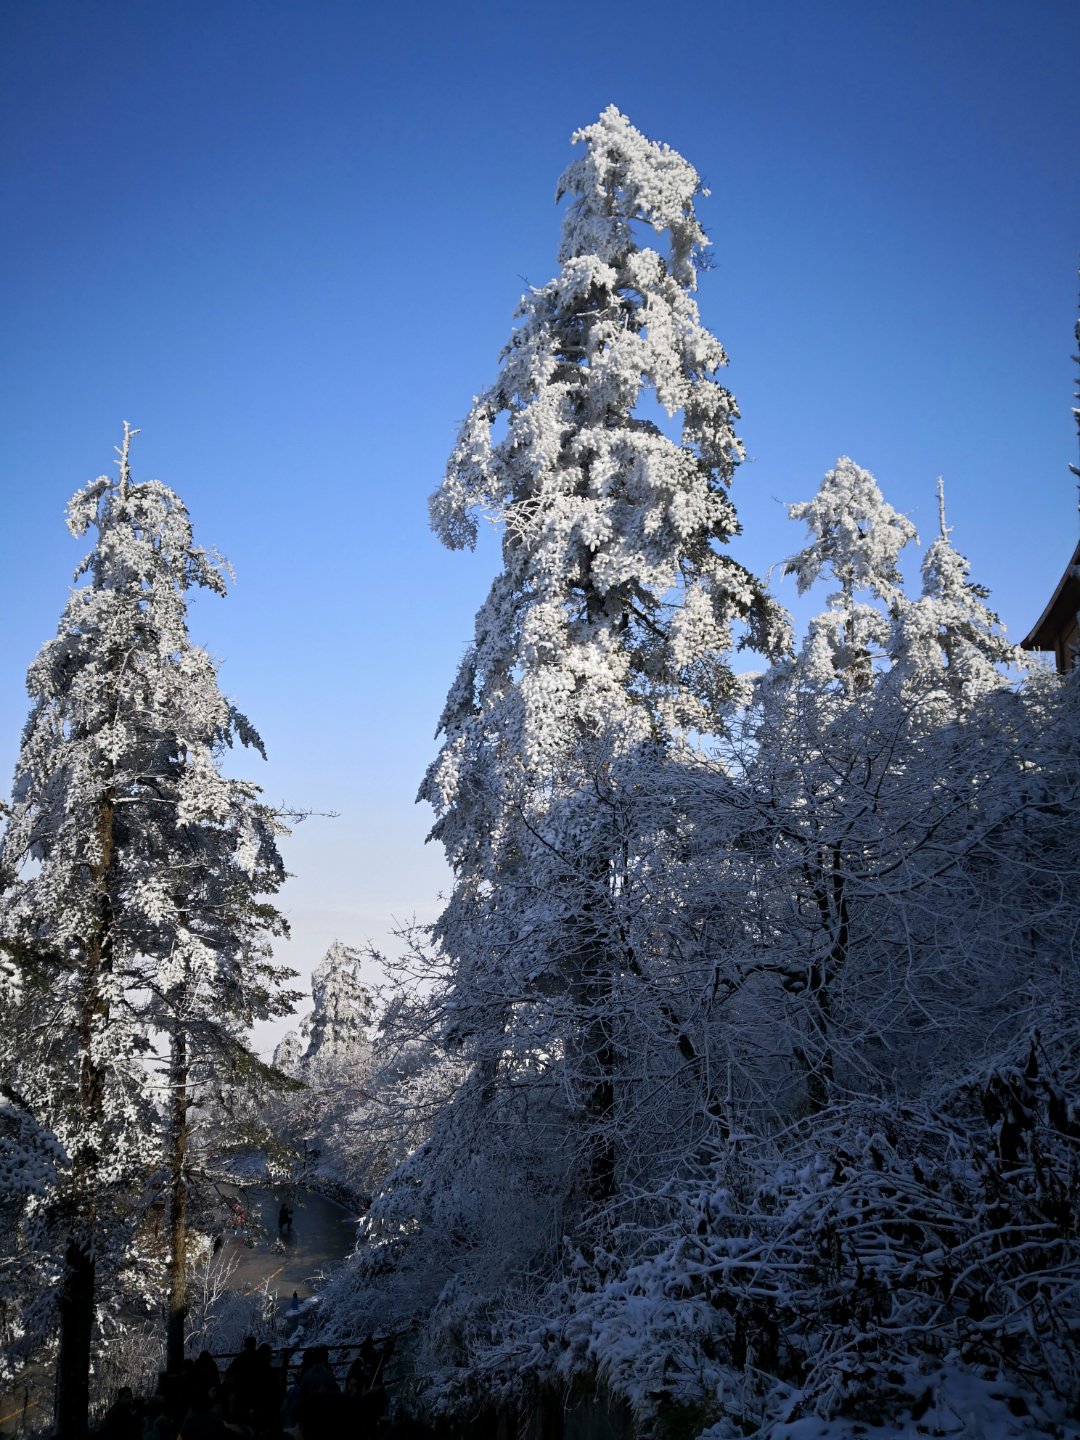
(255, 1399)
(317, 1406)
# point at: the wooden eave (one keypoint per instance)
(1062, 607)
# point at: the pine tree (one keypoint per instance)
(141, 907)
(815, 726)
(609, 630)
(329, 1058)
(288, 1053)
(342, 1010)
(615, 606)
(857, 537)
(949, 640)
(605, 449)
(849, 743)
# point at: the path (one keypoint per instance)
(322, 1235)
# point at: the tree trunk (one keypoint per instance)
(177, 1202)
(597, 965)
(831, 897)
(77, 1290)
(76, 1325)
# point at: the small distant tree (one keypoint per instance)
(856, 538)
(288, 1053)
(133, 874)
(342, 1011)
(949, 640)
(329, 1057)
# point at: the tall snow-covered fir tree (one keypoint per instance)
(605, 641)
(134, 874)
(608, 633)
(615, 607)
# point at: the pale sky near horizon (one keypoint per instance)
(287, 239)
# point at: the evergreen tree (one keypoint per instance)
(329, 1057)
(857, 537)
(863, 782)
(342, 1011)
(608, 633)
(950, 639)
(605, 639)
(288, 1053)
(133, 869)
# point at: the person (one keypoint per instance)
(365, 1385)
(314, 1382)
(206, 1377)
(174, 1397)
(266, 1395)
(322, 1416)
(295, 1300)
(202, 1422)
(241, 1376)
(156, 1423)
(122, 1421)
(317, 1376)
(283, 1216)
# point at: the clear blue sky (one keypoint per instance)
(286, 239)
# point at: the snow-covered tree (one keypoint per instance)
(288, 1053)
(865, 790)
(342, 1011)
(604, 449)
(412, 1077)
(950, 633)
(31, 1164)
(614, 609)
(133, 874)
(856, 537)
(608, 631)
(321, 1125)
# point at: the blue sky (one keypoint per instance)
(286, 240)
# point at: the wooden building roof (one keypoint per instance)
(1058, 627)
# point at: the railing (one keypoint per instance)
(285, 1364)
